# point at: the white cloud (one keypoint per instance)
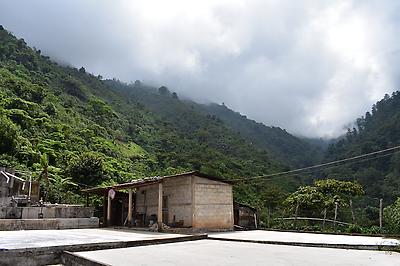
(308, 66)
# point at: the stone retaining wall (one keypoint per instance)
(47, 211)
(48, 224)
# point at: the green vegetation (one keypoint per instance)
(392, 217)
(288, 148)
(323, 198)
(380, 177)
(285, 147)
(377, 130)
(72, 130)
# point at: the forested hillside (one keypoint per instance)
(75, 128)
(377, 130)
(297, 152)
(165, 103)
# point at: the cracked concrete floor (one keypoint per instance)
(48, 238)
(221, 253)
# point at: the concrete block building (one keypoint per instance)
(190, 199)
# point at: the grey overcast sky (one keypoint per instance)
(311, 67)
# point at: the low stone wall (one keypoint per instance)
(48, 212)
(64, 254)
(48, 224)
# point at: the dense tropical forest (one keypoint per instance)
(72, 130)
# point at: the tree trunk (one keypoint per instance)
(323, 222)
(336, 211)
(295, 215)
(380, 213)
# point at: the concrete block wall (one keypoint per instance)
(213, 204)
(178, 191)
(147, 200)
(198, 202)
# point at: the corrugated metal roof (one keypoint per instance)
(149, 181)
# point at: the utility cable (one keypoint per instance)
(322, 165)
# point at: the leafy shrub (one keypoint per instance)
(354, 229)
(74, 88)
(87, 168)
(392, 217)
(8, 135)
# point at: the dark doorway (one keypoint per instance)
(116, 213)
(165, 210)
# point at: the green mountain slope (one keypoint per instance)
(285, 147)
(93, 134)
(377, 130)
(297, 152)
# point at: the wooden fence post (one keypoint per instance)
(352, 212)
(323, 223)
(295, 215)
(380, 213)
(336, 211)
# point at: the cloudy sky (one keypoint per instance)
(311, 67)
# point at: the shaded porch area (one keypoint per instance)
(120, 205)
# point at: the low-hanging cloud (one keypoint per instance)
(308, 66)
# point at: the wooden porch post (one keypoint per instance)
(104, 211)
(108, 210)
(130, 208)
(159, 211)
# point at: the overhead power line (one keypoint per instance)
(309, 171)
(333, 163)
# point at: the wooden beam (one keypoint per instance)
(312, 219)
(130, 207)
(104, 211)
(108, 211)
(159, 211)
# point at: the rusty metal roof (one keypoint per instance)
(150, 181)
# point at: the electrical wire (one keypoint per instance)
(331, 164)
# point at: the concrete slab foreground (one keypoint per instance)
(214, 252)
(44, 247)
(48, 238)
(262, 236)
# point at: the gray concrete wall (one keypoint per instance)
(48, 212)
(198, 202)
(179, 193)
(147, 200)
(213, 204)
(5, 189)
(47, 224)
(177, 190)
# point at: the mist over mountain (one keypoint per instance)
(95, 132)
(307, 66)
